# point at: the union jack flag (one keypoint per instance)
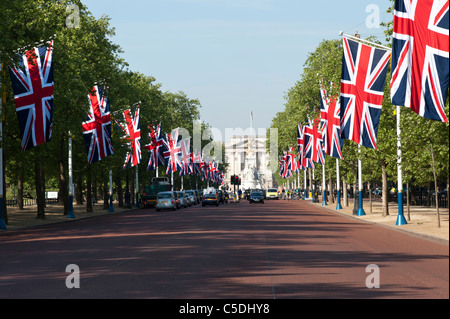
(420, 57)
(133, 131)
(196, 160)
(330, 116)
(363, 78)
(33, 87)
(97, 128)
(172, 153)
(314, 143)
(156, 148)
(303, 161)
(185, 158)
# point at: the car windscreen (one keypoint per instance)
(165, 196)
(210, 195)
(272, 190)
(256, 195)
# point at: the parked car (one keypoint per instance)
(165, 200)
(272, 193)
(191, 196)
(177, 199)
(184, 201)
(210, 199)
(256, 197)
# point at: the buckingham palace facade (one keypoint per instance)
(244, 151)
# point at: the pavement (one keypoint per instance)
(421, 221)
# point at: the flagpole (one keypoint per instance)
(338, 184)
(305, 182)
(2, 221)
(312, 186)
(324, 190)
(111, 207)
(137, 186)
(400, 218)
(360, 187)
(70, 214)
(342, 34)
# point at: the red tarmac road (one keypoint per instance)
(279, 250)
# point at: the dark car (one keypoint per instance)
(256, 197)
(210, 199)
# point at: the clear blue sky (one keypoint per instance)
(233, 55)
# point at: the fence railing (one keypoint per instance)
(28, 202)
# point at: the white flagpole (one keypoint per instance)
(360, 187)
(342, 34)
(111, 207)
(313, 186)
(305, 183)
(2, 221)
(338, 185)
(324, 187)
(137, 186)
(70, 214)
(400, 218)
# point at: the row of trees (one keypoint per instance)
(425, 143)
(84, 55)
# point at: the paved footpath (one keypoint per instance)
(279, 250)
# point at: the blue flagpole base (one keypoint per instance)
(2, 221)
(111, 206)
(361, 211)
(400, 218)
(71, 214)
(324, 202)
(338, 199)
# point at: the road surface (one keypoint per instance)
(278, 250)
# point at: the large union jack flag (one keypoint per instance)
(364, 70)
(172, 153)
(330, 116)
(33, 87)
(420, 57)
(97, 128)
(314, 142)
(303, 161)
(133, 134)
(156, 148)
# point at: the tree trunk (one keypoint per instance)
(79, 189)
(408, 205)
(20, 188)
(119, 189)
(39, 180)
(89, 208)
(385, 191)
(344, 191)
(435, 187)
(105, 196)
